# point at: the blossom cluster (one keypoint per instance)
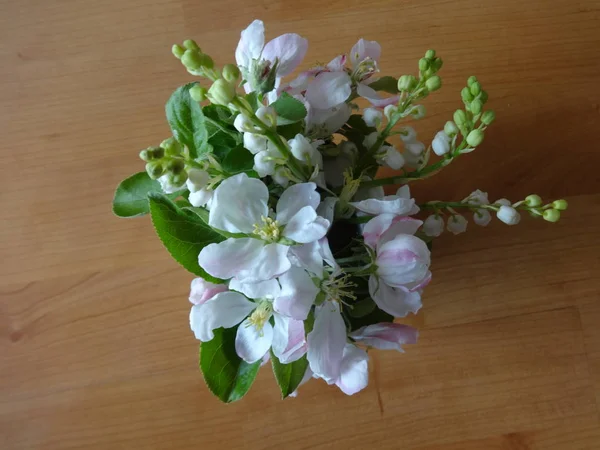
(267, 191)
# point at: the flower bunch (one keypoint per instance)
(267, 191)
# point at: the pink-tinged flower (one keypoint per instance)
(400, 204)
(202, 290)
(403, 261)
(385, 227)
(257, 60)
(239, 206)
(354, 370)
(326, 342)
(386, 336)
(255, 335)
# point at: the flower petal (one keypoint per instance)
(337, 64)
(402, 260)
(374, 98)
(329, 89)
(326, 342)
(252, 41)
(261, 289)
(324, 122)
(228, 258)
(289, 339)
(386, 336)
(308, 256)
(365, 49)
(202, 290)
(400, 225)
(226, 310)
(295, 198)
(271, 263)
(390, 204)
(375, 227)
(327, 208)
(305, 226)
(398, 302)
(298, 293)
(238, 203)
(354, 371)
(289, 49)
(252, 344)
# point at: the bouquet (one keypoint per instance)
(267, 192)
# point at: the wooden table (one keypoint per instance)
(96, 349)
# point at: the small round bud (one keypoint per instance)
(206, 61)
(171, 146)
(434, 83)
(423, 64)
(460, 118)
(192, 60)
(198, 93)
(488, 117)
(551, 215)
(475, 88)
(472, 79)
(466, 95)
(178, 51)
(533, 200)
(154, 169)
(156, 153)
(221, 92)
(231, 72)
(476, 106)
(483, 96)
(407, 83)
(418, 112)
(175, 166)
(430, 54)
(145, 156)
(560, 205)
(450, 128)
(508, 215)
(177, 179)
(389, 111)
(191, 44)
(437, 64)
(475, 138)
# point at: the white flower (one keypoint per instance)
(280, 176)
(415, 147)
(482, 217)
(266, 115)
(196, 184)
(391, 157)
(372, 117)
(400, 204)
(326, 341)
(478, 197)
(354, 370)
(456, 224)
(240, 205)
(508, 215)
(370, 139)
(243, 124)
(202, 290)
(386, 336)
(305, 151)
(255, 143)
(390, 110)
(264, 163)
(433, 225)
(201, 197)
(166, 185)
(408, 134)
(441, 143)
(503, 201)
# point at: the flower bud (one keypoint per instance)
(418, 112)
(503, 201)
(191, 44)
(437, 64)
(407, 82)
(476, 106)
(456, 224)
(475, 138)
(264, 164)
(441, 143)
(221, 92)
(145, 156)
(560, 205)
(483, 96)
(434, 83)
(177, 51)
(430, 54)
(206, 61)
(301, 148)
(177, 179)
(197, 179)
(460, 118)
(423, 64)
(475, 88)
(243, 124)
(488, 117)
(551, 215)
(508, 215)
(198, 93)
(255, 143)
(533, 200)
(415, 148)
(433, 226)
(389, 111)
(392, 158)
(154, 169)
(267, 115)
(472, 79)
(192, 60)
(171, 147)
(482, 217)
(407, 134)
(466, 95)
(152, 154)
(372, 117)
(450, 129)
(231, 72)
(175, 166)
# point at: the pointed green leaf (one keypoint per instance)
(289, 109)
(225, 373)
(187, 121)
(131, 196)
(290, 375)
(183, 233)
(238, 160)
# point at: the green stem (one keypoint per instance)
(352, 259)
(412, 176)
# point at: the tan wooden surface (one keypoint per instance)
(94, 339)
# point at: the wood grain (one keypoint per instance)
(96, 350)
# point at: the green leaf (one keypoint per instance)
(225, 373)
(376, 316)
(386, 84)
(131, 196)
(238, 160)
(291, 130)
(254, 101)
(290, 375)
(362, 308)
(183, 233)
(219, 113)
(187, 121)
(204, 215)
(289, 109)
